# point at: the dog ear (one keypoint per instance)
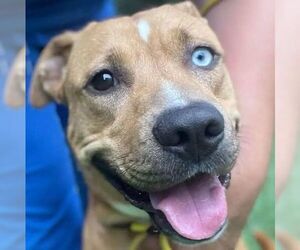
(49, 73)
(188, 7)
(14, 92)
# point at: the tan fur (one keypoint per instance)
(14, 93)
(118, 123)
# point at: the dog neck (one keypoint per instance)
(106, 222)
(114, 212)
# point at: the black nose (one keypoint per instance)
(193, 131)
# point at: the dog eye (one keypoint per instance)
(102, 80)
(203, 57)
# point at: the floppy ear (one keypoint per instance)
(188, 7)
(49, 73)
(14, 93)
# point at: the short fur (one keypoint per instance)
(117, 124)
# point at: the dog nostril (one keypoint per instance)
(214, 128)
(183, 137)
(166, 137)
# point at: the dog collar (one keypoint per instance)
(142, 231)
(131, 211)
(140, 225)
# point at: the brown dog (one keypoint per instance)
(152, 118)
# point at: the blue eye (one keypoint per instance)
(203, 57)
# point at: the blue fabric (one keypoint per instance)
(46, 18)
(12, 134)
(12, 176)
(54, 209)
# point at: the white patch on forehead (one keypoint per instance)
(144, 29)
(172, 96)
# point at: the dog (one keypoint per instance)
(153, 123)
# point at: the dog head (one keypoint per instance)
(151, 105)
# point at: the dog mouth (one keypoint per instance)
(191, 212)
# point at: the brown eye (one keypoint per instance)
(102, 80)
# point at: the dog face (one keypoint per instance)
(149, 99)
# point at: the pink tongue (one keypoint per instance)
(196, 210)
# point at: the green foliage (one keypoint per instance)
(262, 217)
(287, 207)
